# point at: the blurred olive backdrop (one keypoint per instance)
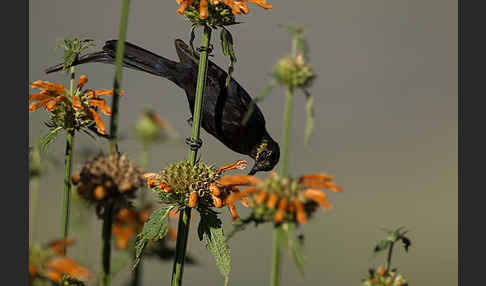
(386, 126)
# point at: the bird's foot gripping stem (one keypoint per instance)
(194, 144)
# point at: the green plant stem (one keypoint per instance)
(277, 256)
(181, 245)
(137, 272)
(106, 247)
(185, 215)
(277, 232)
(34, 190)
(286, 132)
(388, 258)
(66, 202)
(120, 51)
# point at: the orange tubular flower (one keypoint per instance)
(282, 199)
(78, 107)
(65, 265)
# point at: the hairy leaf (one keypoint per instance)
(309, 125)
(296, 248)
(227, 49)
(154, 229)
(48, 138)
(210, 230)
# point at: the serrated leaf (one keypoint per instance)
(48, 138)
(296, 246)
(210, 230)
(309, 125)
(154, 229)
(227, 49)
(261, 96)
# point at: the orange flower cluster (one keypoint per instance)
(48, 263)
(129, 222)
(209, 193)
(283, 198)
(82, 104)
(237, 7)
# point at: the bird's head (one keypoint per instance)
(266, 156)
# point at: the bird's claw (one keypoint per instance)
(194, 144)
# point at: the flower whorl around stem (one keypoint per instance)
(183, 185)
(71, 111)
(282, 199)
(108, 179)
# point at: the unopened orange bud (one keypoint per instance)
(192, 199)
(272, 201)
(214, 190)
(261, 197)
(99, 192)
(82, 81)
(75, 178)
(217, 202)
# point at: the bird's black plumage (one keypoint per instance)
(223, 107)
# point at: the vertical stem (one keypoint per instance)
(185, 215)
(106, 247)
(34, 189)
(108, 216)
(137, 272)
(277, 256)
(286, 132)
(181, 245)
(120, 51)
(278, 232)
(388, 258)
(66, 203)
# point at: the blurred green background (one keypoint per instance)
(386, 126)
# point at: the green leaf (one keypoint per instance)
(227, 49)
(48, 138)
(191, 41)
(309, 125)
(210, 230)
(296, 248)
(261, 96)
(154, 229)
(67, 280)
(382, 245)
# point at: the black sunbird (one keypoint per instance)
(224, 107)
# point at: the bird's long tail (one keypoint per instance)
(135, 58)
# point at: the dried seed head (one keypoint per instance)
(106, 179)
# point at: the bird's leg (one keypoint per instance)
(194, 144)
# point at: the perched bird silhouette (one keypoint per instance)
(224, 107)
